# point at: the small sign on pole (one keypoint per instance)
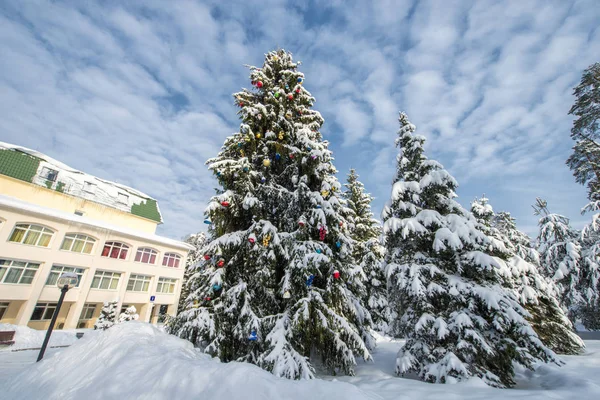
(152, 298)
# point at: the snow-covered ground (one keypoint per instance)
(27, 338)
(135, 360)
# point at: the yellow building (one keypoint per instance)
(55, 219)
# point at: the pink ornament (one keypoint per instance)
(251, 240)
(322, 232)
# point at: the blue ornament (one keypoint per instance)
(245, 169)
(318, 251)
(310, 280)
(207, 222)
(287, 87)
(308, 148)
(216, 287)
(318, 206)
(240, 144)
(263, 179)
(253, 337)
(218, 174)
(338, 244)
(277, 156)
(299, 80)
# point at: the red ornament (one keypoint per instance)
(341, 223)
(298, 90)
(301, 223)
(259, 84)
(241, 104)
(225, 203)
(291, 96)
(336, 274)
(322, 232)
(292, 156)
(220, 263)
(207, 256)
(207, 298)
(251, 240)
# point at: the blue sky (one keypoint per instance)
(140, 92)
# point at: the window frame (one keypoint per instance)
(171, 256)
(46, 307)
(163, 282)
(47, 171)
(111, 245)
(26, 227)
(74, 236)
(146, 251)
(4, 305)
(55, 267)
(102, 275)
(5, 270)
(143, 281)
(86, 308)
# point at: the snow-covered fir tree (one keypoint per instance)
(560, 257)
(537, 294)
(585, 159)
(130, 314)
(589, 279)
(198, 240)
(368, 252)
(450, 291)
(108, 315)
(273, 287)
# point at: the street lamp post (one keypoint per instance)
(64, 283)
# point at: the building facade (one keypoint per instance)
(54, 219)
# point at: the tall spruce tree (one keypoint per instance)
(585, 159)
(368, 252)
(273, 287)
(560, 257)
(537, 294)
(449, 288)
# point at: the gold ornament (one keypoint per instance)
(288, 114)
(281, 135)
(266, 162)
(258, 135)
(242, 153)
(248, 138)
(324, 193)
(266, 240)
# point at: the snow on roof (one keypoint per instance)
(18, 204)
(58, 176)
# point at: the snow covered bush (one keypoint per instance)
(130, 314)
(107, 316)
(277, 284)
(449, 285)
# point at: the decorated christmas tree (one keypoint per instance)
(108, 315)
(537, 294)
(365, 230)
(274, 287)
(448, 283)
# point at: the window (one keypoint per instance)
(138, 283)
(79, 213)
(78, 243)
(21, 272)
(123, 198)
(106, 280)
(49, 174)
(115, 250)
(34, 235)
(146, 255)
(171, 260)
(3, 308)
(166, 285)
(88, 311)
(89, 187)
(58, 270)
(43, 311)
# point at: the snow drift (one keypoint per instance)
(135, 360)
